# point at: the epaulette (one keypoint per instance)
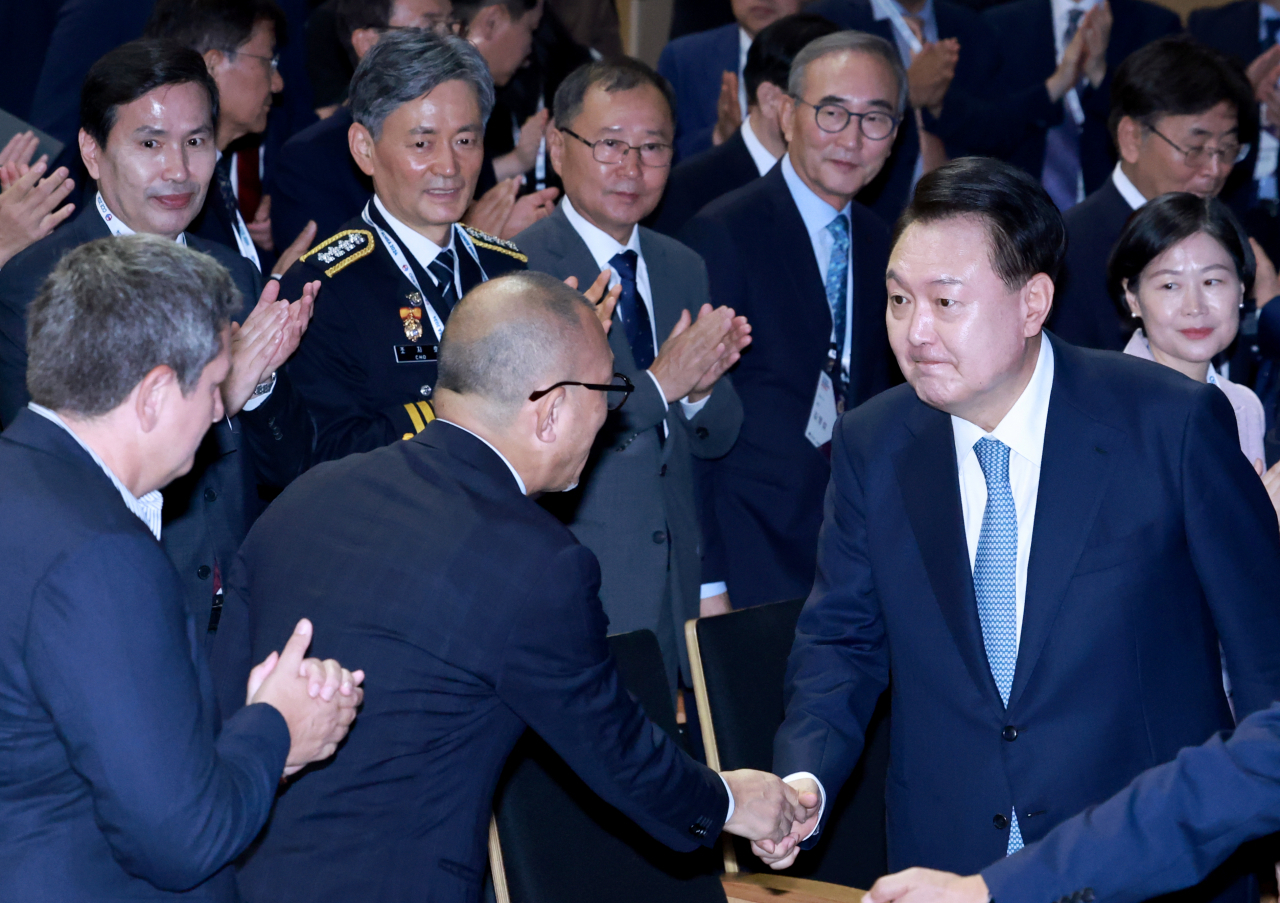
(341, 250)
(493, 243)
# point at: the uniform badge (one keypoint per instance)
(414, 298)
(412, 317)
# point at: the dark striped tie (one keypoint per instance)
(441, 270)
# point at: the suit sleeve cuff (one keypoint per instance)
(691, 408)
(663, 395)
(729, 814)
(713, 589)
(822, 797)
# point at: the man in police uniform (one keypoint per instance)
(390, 276)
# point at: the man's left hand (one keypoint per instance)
(735, 340)
(928, 886)
(269, 336)
(260, 227)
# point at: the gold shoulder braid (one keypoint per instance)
(342, 250)
(493, 243)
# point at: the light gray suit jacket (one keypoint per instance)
(635, 507)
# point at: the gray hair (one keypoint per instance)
(115, 309)
(504, 348)
(408, 63)
(849, 42)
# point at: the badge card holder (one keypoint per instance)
(822, 416)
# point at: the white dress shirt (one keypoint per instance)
(744, 44)
(761, 156)
(148, 508)
(1132, 196)
(423, 249)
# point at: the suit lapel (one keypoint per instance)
(790, 244)
(1079, 455)
(930, 485)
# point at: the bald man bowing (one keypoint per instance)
(482, 613)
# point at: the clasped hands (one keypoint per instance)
(775, 816)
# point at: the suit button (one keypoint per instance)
(275, 432)
(210, 495)
(1000, 820)
(698, 830)
(701, 432)
(1087, 896)
(1010, 733)
(659, 537)
(425, 391)
(663, 471)
(203, 572)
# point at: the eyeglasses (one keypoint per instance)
(611, 150)
(618, 391)
(273, 60)
(1230, 153)
(831, 117)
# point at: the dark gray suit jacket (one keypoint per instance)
(635, 505)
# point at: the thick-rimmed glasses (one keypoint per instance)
(273, 60)
(617, 391)
(831, 117)
(1229, 153)
(611, 150)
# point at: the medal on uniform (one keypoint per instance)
(412, 317)
(414, 298)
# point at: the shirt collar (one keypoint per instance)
(514, 473)
(601, 244)
(816, 213)
(423, 249)
(117, 225)
(1132, 196)
(148, 508)
(760, 154)
(1022, 429)
(744, 44)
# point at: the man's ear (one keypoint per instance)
(89, 152)
(362, 41)
(769, 100)
(1039, 300)
(550, 409)
(1129, 140)
(152, 394)
(486, 23)
(787, 116)
(360, 143)
(213, 59)
(555, 148)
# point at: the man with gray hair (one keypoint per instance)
(367, 366)
(495, 627)
(119, 780)
(804, 263)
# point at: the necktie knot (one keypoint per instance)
(1073, 24)
(441, 270)
(839, 229)
(625, 263)
(993, 458)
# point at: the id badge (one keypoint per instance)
(822, 417)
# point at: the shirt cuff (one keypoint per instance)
(822, 796)
(661, 392)
(256, 401)
(691, 408)
(729, 814)
(713, 589)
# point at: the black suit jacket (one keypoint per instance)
(766, 494)
(315, 178)
(1083, 312)
(1024, 31)
(1153, 542)
(119, 788)
(702, 178)
(495, 628)
(208, 511)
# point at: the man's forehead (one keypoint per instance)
(177, 107)
(603, 109)
(1220, 118)
(851, 75)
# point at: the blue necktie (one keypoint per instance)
(635, 316)
(1061, 173)
(995, 570)
(838, 296)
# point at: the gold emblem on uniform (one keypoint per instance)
(414, 298)
(412, 317)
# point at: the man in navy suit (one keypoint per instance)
(1043, 549)
(802, 261)
(119, 779)
(758, 143)
(705, 71)
(497, 628)
(1178, 114)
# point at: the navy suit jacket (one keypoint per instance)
(693, 64)
(1083, 312)
(1167, 830)
(1014, 126)
(702, 178)
(1153, 542)
(315, 178)
(496, 628)
(766, 495)
(116, 782)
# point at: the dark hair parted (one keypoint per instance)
(621, 74)
(115, 309)
(466, 10)
(352, 15)
(1178, 76)
(131, 70)
(1025, 231)
(214, 24)
(775, 47)
(1160, 224)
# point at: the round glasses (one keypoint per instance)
(831, 117)
(612, 150)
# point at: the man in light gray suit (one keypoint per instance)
(635, 509)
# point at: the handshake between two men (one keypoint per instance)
(773, 814)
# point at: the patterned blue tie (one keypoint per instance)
(1061, 173)
(635, 316)
(995, 571)
(838, 294)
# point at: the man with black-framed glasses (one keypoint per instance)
(636, 510)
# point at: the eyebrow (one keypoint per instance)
(831, 98)
(432, 130)
(1212, 266)
(618, 128)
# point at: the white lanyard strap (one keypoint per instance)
(243, 242)
(118, 228)
(403, 263)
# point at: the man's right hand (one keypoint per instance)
(317, 699)
(764, 808)
(696, 349)
(29, 206)
(930, 74)
(728, 110)
(781, 854)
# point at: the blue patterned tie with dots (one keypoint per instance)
(995, 570)
(838, 292)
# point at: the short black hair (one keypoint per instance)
(1160, 224)
(352, 15)
(130, 71)
(621, 74)
(1025, 231)
(214, 24)
(1178, 76)
(465, 10)
(771, 53)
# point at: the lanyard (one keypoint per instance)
(243, 242)
(889, 10)
(403, 263)
(116, 226)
